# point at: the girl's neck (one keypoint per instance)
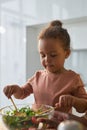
(58, 72)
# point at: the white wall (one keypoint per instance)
(40, 11)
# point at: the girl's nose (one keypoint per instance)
(48, 59)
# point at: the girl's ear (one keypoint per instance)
(67, 53)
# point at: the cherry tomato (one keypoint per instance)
(34, 120)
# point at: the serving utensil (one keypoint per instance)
(13, 104)
(45, 111)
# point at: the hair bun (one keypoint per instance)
(56, 23)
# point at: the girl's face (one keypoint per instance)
(52, 54)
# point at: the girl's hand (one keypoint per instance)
(65, 103)
(9, 90)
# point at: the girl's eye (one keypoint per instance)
(42, 56)
(53, 55)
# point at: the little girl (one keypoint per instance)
(55, 85)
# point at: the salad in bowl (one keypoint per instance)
(25, 116)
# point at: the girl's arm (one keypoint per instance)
(17, 91)
(68, 101)
(80, 104)
(10, 90)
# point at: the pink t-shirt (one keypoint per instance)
(47, 87)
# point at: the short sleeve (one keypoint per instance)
(26, 90)
(79, 89)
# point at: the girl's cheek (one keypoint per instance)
(43, 63)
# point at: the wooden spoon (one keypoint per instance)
(13, 104)
(45, 111)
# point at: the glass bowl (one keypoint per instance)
(25, 117)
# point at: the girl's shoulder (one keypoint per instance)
(75, 77)
(72, 73)
(36, 75)
(40, 73)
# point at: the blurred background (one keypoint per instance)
(20, 23)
